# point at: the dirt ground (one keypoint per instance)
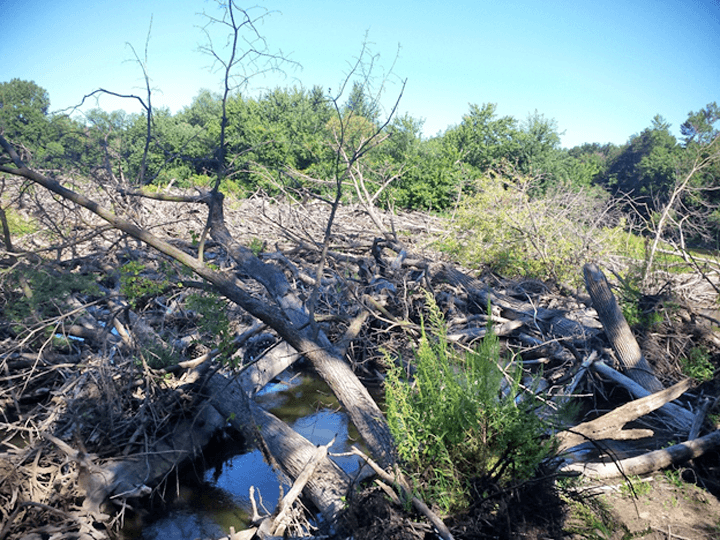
(664, 507)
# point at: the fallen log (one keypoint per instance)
(610, 425)
(678, 417)
(280, 521)
(650, 462)
(133, 476)
(618, 331)
(326, 488)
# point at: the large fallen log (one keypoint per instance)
(326, 488)
(618, 331)
(678, 417)
(610, 425)
(650, 462)
(287, 315)
(133, 476)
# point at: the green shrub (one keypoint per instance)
(458, 421)
(18, 225)
(214, 324)
(136, 287)
(549, 237)
(36, 295)
(696, 364)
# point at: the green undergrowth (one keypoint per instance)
(462, 418)
(35, 297)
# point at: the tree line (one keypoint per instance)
(287, 140)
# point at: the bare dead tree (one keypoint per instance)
(705, 156)
(247, 56)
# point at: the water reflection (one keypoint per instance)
(210, 507)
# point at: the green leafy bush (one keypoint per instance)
(35, 295)
(136, 287)
(547, 237)
(214, 324)
(696, 364)
(462, 418)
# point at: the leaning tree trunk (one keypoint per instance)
(618, 331)
(287, 316)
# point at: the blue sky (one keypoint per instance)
(601, 69)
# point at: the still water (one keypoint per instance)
(207, 502)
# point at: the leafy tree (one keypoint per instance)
(283, 129)
(360, 104)
(483, 139)
(645, 168)
(66, 142)
(700, 127)
(590, 162)
(539, 153)
(23, 113)
(432, 175)
(205, 109)
(107, 145)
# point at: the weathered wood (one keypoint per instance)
(650, 462)
(609, 426)
(678, 417)
(618, 331)
(289, 449)
(291, 321)
(280, 522)
(131, 477)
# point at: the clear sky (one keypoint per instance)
(601, 69)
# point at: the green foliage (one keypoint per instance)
(645, 168)
(23, 112)
(459, 421)
(432, 172)
(214, 324)
(256, 246)
(697, 364)
(635, 486)
(137, 287)
(549, 237)
(590, 518)
(19, 225)
(630, 298)
(674, 477)
(33, 295)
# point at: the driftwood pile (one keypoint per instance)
(91, 429)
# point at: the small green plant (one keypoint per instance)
(629, 297)
(159, 357)
(696, 364)
(18, 225)
(194, 238)
(674, 477)
(257, 246)
(458, 421)
(214, 324)
(32, 295)
(635, 487)
(136, 287)
(590, 519)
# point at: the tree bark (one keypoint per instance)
(291, 321)
(652, 461)
(289, 449)
(609, 426)
(618, 331)
(681, 419)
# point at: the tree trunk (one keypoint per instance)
(618, 331)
